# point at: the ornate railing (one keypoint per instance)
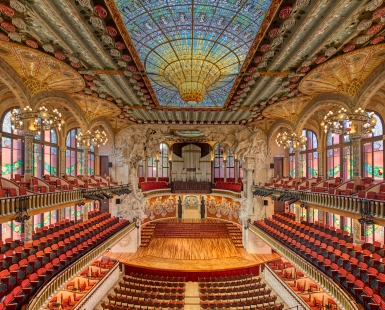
(332, 288)
(343, 203)
(52, 286)
(11, 205)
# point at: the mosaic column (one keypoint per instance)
(356, 144)
(27, 230)
(321, 172)
(86, 150)
(157, 169)
(297, 164)
(28, 152)
(63, 160)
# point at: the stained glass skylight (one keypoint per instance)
(175, 37)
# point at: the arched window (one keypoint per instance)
(163, 161)
(45, 153)
(230, 166)
(308, 157)
(91, 160)
(12, 143)
(372, 147)
(339, 159)
(151, 167)
(74, 154)
(218, 162)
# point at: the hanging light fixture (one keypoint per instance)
(291, 140)
(89, 138)
(34, 121)
(340, 123)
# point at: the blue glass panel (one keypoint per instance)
(165, 32)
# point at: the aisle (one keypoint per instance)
(191, 297)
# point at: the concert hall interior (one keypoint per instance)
(192, 154)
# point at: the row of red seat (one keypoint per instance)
(141, 179)
(357, 271)
(21, 280)
(148, 186)
(235, 187)
(228, 180)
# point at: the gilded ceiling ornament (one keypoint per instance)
(299, 4)
(107, 39)
(374, 29)
(6, 10)
(268, 54)
(114, 52)
(306, 63)
(377, 40)
(14, 36)
(263, 64)
(97, 22)
(364, 24)
(349, 48)
(285, 83)
(277, 41)
(362, 39)
(330, 51)
(84, 3)
(372, 5)
(73, 59)
(250, 83)
(8, 26)
(379, 12)
(3, 37)
(19, 23)
(17, 5)
(288, 23)
(122, 63)
(48, 48)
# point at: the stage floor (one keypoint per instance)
(192, 255)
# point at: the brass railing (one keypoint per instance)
(343, 203)
(340, 296)
(11, 205)
(52, 286)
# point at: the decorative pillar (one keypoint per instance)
(63, 149)
(169, 171)
(86, 150)
(28, 152)
(236, 174)
(356, 144)
(27, 230)
(357, 232)
(249, 192)
(321, 171)
(224, 170)
(297, 164)
(156, 169)
(212, 171)
(145, 169)
(85, 212)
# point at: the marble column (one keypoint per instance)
(157, 169)
(28, 152)
(85, 160)
(321, 171)
(63, 160)
(297, 164)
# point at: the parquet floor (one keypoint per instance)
(192, 254)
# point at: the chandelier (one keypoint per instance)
(89, 138)
(340, 123)
(292, 140)
(192, 77)
(29, 120)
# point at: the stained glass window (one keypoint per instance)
(151, 167)
(373, 152)
(163, 161)
(12, 149)
(170, 35)
(218, 162)
(11, 230)
(74, 154)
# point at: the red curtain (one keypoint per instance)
(192, 276)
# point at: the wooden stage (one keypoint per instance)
(192, 254)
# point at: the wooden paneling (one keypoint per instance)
(104, 170)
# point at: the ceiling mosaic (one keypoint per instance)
(201, 42)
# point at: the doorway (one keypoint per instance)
(104, 170)
(278, 167)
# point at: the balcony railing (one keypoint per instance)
(340, 202)
(332, 288)
(54, 285)
(11, 205)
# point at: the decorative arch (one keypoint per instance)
(319, 102)
(274, 129)
(45, 97)
(100, 121)
(12, 80)
(370, 87)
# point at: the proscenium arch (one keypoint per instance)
(12, 80)
(46, 97)
(370, 87)
(319, 102)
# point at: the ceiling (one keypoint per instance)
(253, 56)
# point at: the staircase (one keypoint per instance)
(235, 235)
(146, 233)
